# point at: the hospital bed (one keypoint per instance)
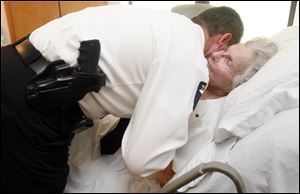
(254, 149)
(267, 160)
(257, 135)
(264, 153)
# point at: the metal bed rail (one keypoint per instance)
(200, 170)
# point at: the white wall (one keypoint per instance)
(296, 19)
(260, 18)
(162, 5)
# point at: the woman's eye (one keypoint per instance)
(229, 62)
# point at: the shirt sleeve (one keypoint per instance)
(159, 124)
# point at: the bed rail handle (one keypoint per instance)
(201, 169)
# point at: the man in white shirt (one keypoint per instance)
(154, 63)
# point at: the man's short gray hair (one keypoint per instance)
(264, 50)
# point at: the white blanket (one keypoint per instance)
(267, 159)
(91, 172)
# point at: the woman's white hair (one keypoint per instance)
(264, 49)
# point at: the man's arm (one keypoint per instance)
(159, 124)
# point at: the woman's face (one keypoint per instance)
(224, 65)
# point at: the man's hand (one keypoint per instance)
(165, 175)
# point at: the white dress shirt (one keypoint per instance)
(154, 62)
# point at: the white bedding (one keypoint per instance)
(275, 87)
(262, 115)
(266, 164)
(267, 159)
(91, 172)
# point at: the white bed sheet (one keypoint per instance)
(91, 172)
(267, 159)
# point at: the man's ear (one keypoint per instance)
(224, 40)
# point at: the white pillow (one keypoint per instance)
(274, 88)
